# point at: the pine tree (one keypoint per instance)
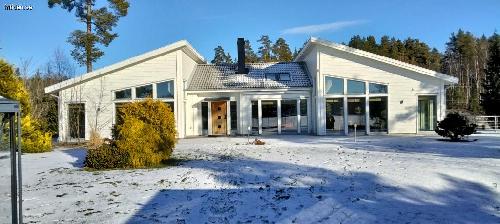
(281, 50)
(85, 42)
(357, 42)
(371, 45)
(385, 46)
(265, 49)
(491, 85)
(250, 56)
(462, 59)
(220, 57)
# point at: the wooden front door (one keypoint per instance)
(219, 118)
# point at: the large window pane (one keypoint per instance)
(123, 94)
(289, 116)
(427, 113)
(356, 114)
(335, 115)
(269, 116)
(334, 85)
(303, 116)
(378, 114)
(377, 88)
(144, 91)
(234, 116)
(355, 87)
(255, 116)
(165, 89)
(76, 122)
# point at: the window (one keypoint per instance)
(285, 77)
(272, 76)
(76, 121)
(119, 113)
(377, 88)
(255, 116)
(204, 115)
(144, 91)
(378, 114)
(355, 87)
(171, 105)
(303, 116)
(334, 119)
(334, 85)
(165, 89)
(278, 76)
(234, 116)
(123, 94)
(289, 115)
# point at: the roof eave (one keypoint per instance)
(379, 58)
(182, 44)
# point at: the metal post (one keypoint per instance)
(13, 178)
(19, 179)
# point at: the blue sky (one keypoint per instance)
(205, 24)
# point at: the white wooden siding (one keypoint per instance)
(101, 90)
(404, 85)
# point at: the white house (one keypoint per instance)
(329, 89)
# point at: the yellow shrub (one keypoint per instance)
(34, 140)
(146, 136)
(11, 86)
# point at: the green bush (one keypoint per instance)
(106, 156)
(146, 138)
(456, 125)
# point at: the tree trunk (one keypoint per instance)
(89, 42)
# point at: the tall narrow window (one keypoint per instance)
(234, 116)
(123, 94)
(355, 87)
(144, 91)
(356, 114)
(255, 116)
(334, 85)
(269, 116)
(335, 115)
(165, 89)
(303, 116)
(378, 114)
(204, 115)
(76, 120)
(289, 116)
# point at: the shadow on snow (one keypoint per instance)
(484, 147)
(262, 191)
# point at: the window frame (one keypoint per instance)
(143, 86)
(173, 89)
(334, 94)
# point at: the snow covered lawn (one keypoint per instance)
(291, 179)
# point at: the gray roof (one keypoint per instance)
(7, 105)
(222, 77)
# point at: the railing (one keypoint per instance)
(488, 123)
